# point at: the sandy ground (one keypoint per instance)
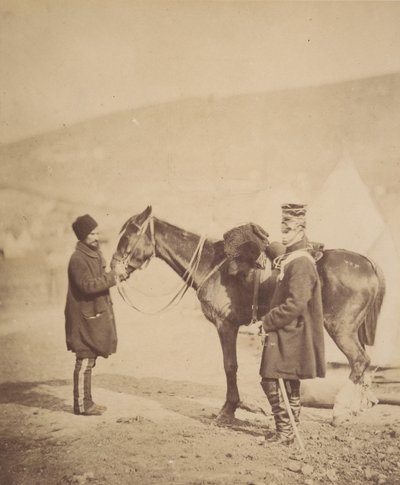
(163, 389)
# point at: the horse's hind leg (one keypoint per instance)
(227, 332)
(355, 396)
(348, 342)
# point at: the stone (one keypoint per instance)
(294, 466)
(307, 470)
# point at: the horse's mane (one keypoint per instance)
(126, 224)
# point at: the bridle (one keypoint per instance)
(142, 229)
(188, 276)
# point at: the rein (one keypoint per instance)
(188, 276)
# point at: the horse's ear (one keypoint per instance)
(143, 215)
(139, 219)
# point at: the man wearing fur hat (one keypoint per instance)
(294, 343)
(89, 317)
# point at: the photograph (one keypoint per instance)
(199, 242)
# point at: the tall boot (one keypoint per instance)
(83, 402)
(293, 390)
(284, 431)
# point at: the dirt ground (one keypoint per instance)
(163, 389)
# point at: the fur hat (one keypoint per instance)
(294, 215)
(83, 226)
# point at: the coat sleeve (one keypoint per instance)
(300, 280)
(86, 283)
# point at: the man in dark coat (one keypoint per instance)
(89, 318)
(294, 343)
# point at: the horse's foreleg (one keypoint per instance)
(228, 337)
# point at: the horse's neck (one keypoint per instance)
(176, 247)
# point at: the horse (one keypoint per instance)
(352, 291)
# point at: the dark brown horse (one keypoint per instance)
(352, 290)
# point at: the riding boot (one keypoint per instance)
(284, 432)
(83, 402)
(293, 391)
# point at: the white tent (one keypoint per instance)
(343, 215)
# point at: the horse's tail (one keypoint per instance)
(367, 330)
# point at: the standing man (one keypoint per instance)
(294, 343)
(89, 317)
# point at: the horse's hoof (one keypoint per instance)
(225, 419)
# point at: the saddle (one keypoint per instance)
(275, 252)
(245, 243)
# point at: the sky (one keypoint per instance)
(64, 61)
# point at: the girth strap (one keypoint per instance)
(254, 307)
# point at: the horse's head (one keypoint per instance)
(136, 244)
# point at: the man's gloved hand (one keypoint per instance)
(256, 328)
(261, 332)
(259, 325)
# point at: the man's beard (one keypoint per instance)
(94, 245)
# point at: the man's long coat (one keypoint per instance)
(294, 348)
(89, 318)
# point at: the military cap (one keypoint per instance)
(294, 215)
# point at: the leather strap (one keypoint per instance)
(254, 307)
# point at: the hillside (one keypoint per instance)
(184, 156)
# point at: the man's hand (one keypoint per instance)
(121, 272)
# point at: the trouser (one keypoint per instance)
(274, 395)
(83, 384)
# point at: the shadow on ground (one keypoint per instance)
(30, 394)
(199, 402)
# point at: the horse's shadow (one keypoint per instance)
(200, 402)
(31, 394)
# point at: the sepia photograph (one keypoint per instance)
(199, 242)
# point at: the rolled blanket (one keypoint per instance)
(240, 241)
